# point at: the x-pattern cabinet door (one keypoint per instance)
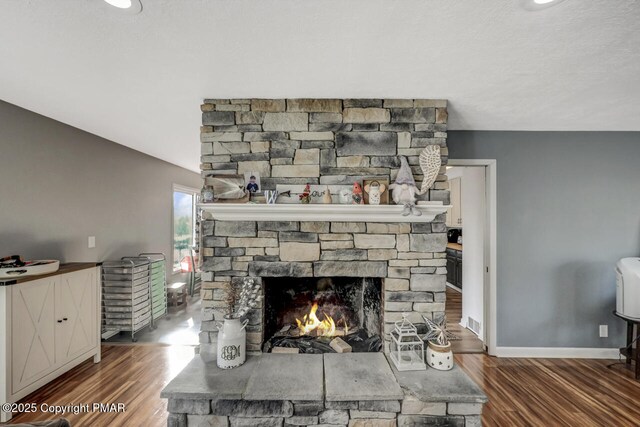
(75, 314)
(33, 331)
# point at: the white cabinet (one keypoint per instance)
(454, 214)
(76, 314)
(33, 331)
(49, 326)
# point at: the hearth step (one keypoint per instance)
(286, 377)
(359, 376)
(335, 389)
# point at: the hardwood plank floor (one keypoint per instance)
(468, 342)
(554, 392)
(129, 374)
(522, 392)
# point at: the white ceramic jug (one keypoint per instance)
(232, 343)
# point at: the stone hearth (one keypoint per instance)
(355, 390)
(332, 142)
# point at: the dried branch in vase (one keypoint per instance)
(245, 298)
(232, 294)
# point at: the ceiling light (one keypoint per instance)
(129, 7)
(536, 5)
(126, 4)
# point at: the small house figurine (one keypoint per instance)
(407, 349)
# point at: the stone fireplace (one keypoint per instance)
(327, 142)
(360, 266)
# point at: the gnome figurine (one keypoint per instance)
(403, 190)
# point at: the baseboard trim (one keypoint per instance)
(559, 352)
(454, 287)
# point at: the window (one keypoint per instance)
(184, 223)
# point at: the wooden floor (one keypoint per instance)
(131, 374)
(468, 342)
(522, 392)
(554, 392)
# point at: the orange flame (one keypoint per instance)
(324, 328)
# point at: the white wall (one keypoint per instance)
(61, 185)
(473, 220)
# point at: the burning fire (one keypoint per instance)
(324, 328)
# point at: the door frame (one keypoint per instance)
(490, 245)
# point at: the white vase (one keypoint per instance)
(439, 357)
(232, 343)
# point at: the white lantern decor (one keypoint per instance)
(407, 349)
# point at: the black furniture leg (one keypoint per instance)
(629, 341)
(637, 352)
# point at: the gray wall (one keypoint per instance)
(60, 185)
(568, 209)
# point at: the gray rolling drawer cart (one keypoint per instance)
(126, 296)
(158, 284)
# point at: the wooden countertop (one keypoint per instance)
(69, 267)
(454, 246)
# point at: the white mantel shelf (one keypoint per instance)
(319, 212)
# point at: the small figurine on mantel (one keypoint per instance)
(326, 196)
(375, 191)
(305, 196)
(357, 196)
(403, 190)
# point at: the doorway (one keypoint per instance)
(471, 255)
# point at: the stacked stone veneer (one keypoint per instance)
(409, 412)
(324, 141)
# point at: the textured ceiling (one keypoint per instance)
(138, 79)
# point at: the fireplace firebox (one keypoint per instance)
(308, 313)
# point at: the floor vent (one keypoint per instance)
(474, 325)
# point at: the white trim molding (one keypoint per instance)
(559, 352)
(301, 212)
(193, 192)
(490, 329)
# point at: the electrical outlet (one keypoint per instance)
(604, 331)
(92, 242)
